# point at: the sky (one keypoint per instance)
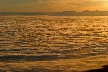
(52, 5)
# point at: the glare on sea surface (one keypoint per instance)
(68, 42)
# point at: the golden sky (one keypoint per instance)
(52, 5)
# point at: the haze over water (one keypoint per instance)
(54, 38)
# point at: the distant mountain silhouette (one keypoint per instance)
(84, 13)
(27, 13)
(64, 13)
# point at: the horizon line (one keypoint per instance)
(54, 11)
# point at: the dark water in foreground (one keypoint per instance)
(39, 38)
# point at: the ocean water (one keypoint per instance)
(53, 37)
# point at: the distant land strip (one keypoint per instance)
(64, 13)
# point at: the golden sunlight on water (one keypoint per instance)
(53, 43)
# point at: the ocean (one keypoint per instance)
(53, 43)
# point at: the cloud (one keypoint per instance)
(66, 1)
(53, 5)
(60, 1)
(79, 5)
(60, 5)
